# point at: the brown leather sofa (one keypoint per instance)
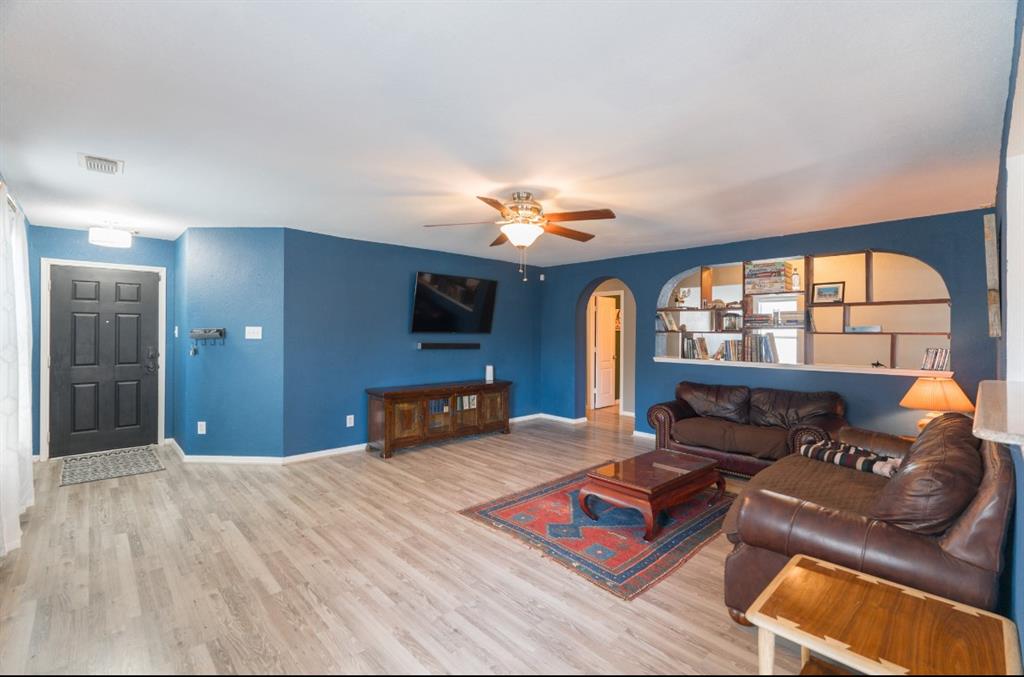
(744, 429)
(938, 525)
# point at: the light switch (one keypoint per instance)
(254, 333)
(175, 331)
(350, 421)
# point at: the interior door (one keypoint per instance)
(604, 352)
(104, 337)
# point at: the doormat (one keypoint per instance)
(106, 465)
(611, 552)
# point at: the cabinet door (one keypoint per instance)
(439, 416)
(466, 412)
(406, 420)
(492, 407)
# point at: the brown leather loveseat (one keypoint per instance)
(744, 429)
(939, 524)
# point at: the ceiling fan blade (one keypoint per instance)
(568, 232)
(585, 215)
(501, 239)
(466, 223)
(493, 203)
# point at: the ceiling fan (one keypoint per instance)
(523, 220)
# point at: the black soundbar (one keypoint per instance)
(448, 346)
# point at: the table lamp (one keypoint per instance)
(936, 395)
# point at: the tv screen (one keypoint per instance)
(453, 305)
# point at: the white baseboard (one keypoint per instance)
(263, 460)
(523, 419)
(641, 433)
(627, 413)
(548, 417)
(312, 455)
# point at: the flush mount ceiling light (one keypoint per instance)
(110, 237)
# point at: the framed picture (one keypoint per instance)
(828, 292)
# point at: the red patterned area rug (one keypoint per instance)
(610, 552)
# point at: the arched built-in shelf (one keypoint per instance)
(865, 311)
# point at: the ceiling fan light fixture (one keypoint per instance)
(522, 234)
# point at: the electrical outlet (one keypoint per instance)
(201, 428)
(175, 331)
(254, 333)
(350, 421)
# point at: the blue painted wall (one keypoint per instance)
(177, 347)
(63, 243)
(347, 313)
(231, 277)
(1013, 600)
(951, 243)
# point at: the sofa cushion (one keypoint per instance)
(729, 402)
(717, 433)
(937, 480)
(789, 408)
(830, 486)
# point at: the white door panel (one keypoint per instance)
(604, 348)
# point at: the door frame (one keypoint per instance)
(592, 350)
(44, 341)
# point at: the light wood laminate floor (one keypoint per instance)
(344, 564)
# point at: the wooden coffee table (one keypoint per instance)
(650, 483)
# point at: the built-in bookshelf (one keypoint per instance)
(873, 310)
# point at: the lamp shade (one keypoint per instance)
(936, 394)
(522, 234)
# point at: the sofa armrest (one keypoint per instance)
(883, 444)
(817, 429)
(791, 526)
(662, 416)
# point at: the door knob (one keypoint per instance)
(151, 364)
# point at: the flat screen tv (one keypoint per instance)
(448, 304)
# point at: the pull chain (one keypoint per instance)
(522, 262)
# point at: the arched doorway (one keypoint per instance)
(609, 354)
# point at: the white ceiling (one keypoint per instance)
(696, 122)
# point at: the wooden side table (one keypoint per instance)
(878, 627)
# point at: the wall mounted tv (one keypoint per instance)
(448, 304)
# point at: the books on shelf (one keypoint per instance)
(694, 348)
(750, 348)
(669, 322)
(936, 359)
(780, 319)
(762, 277)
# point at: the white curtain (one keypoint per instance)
(16, 493)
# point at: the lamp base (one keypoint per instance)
(926, 419)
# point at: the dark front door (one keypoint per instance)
(103, 359)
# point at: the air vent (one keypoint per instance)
(101, 164)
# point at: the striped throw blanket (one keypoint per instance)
(850, 456)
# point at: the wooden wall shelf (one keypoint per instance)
(839, 368)
(806, 335)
